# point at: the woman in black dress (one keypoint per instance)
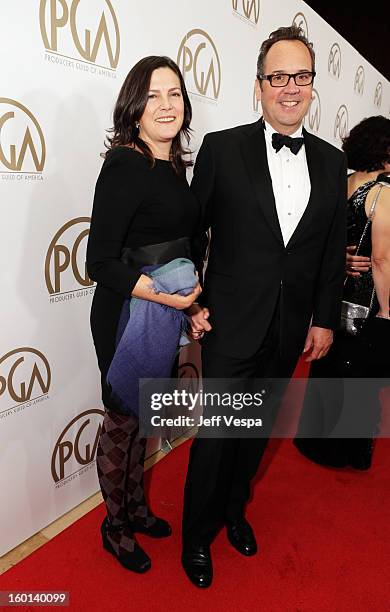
(143, 213)
(365, 355)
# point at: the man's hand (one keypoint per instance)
(318, 343)
(199, 322)
(356, 263)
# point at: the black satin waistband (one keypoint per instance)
(160, 253)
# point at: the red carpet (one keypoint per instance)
(323, 534)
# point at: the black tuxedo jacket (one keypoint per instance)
(250, 271)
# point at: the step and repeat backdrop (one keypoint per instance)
(62, 67)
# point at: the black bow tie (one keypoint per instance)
(280, 140)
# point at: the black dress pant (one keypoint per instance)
(221, 469)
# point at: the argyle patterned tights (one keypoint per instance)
(120, 466)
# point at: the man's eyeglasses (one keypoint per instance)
(281, 79)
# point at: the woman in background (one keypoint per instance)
(143, 214)
(365, 355)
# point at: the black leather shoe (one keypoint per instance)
(136, 561)
(198, 566)
(159, 529)
(241, 537)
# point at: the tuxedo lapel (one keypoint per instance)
(315, 165)
(255, 156)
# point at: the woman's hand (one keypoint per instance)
(356, 263)
(144, 290)
(180, 302)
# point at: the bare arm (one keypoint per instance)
(380, 256)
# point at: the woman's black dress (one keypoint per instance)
(350, 356)
(134, 205)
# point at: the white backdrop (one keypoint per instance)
(62, 65)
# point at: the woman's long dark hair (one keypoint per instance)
(130, 107)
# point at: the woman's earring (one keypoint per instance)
(137, 124)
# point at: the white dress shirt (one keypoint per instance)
(290, 182)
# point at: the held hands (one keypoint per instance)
(318, 343)
(356, 263)
(199, 322)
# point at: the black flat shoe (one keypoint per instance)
(197, 564)
(159, 529)
(241, 537)
(136, 561)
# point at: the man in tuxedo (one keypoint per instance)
(274, 197)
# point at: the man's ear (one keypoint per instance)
(258, 89)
